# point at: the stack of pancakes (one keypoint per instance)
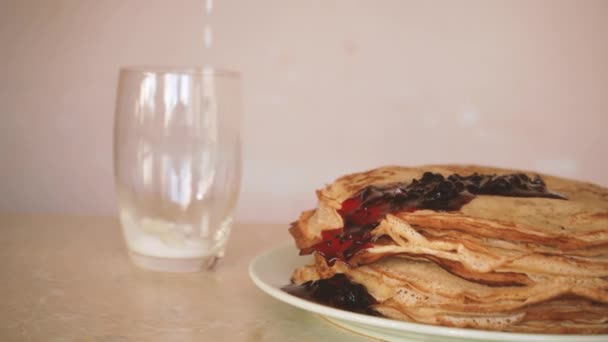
(523, 264)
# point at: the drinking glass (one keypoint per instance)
(177, 164)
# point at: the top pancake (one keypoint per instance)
(577, 223)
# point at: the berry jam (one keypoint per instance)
(337, 291)
(337, 245)
(364, 211)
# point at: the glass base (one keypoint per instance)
(174, 264)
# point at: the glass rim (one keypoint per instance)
(180, 70)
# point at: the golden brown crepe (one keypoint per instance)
(527, 264)
(581, 221)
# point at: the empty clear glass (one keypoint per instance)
(177, 164)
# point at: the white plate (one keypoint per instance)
(271, 271)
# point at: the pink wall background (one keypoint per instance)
(330, 87)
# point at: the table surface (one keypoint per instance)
(69, 278)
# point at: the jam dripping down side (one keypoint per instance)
(364, 211)
(337, 291)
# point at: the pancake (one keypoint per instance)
(577, 226)
(465, 246)
(421, 291)
(576, 223)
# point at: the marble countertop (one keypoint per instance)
(69, 278)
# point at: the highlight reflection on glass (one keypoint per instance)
(177, 164)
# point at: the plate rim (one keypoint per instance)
(390, 324)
